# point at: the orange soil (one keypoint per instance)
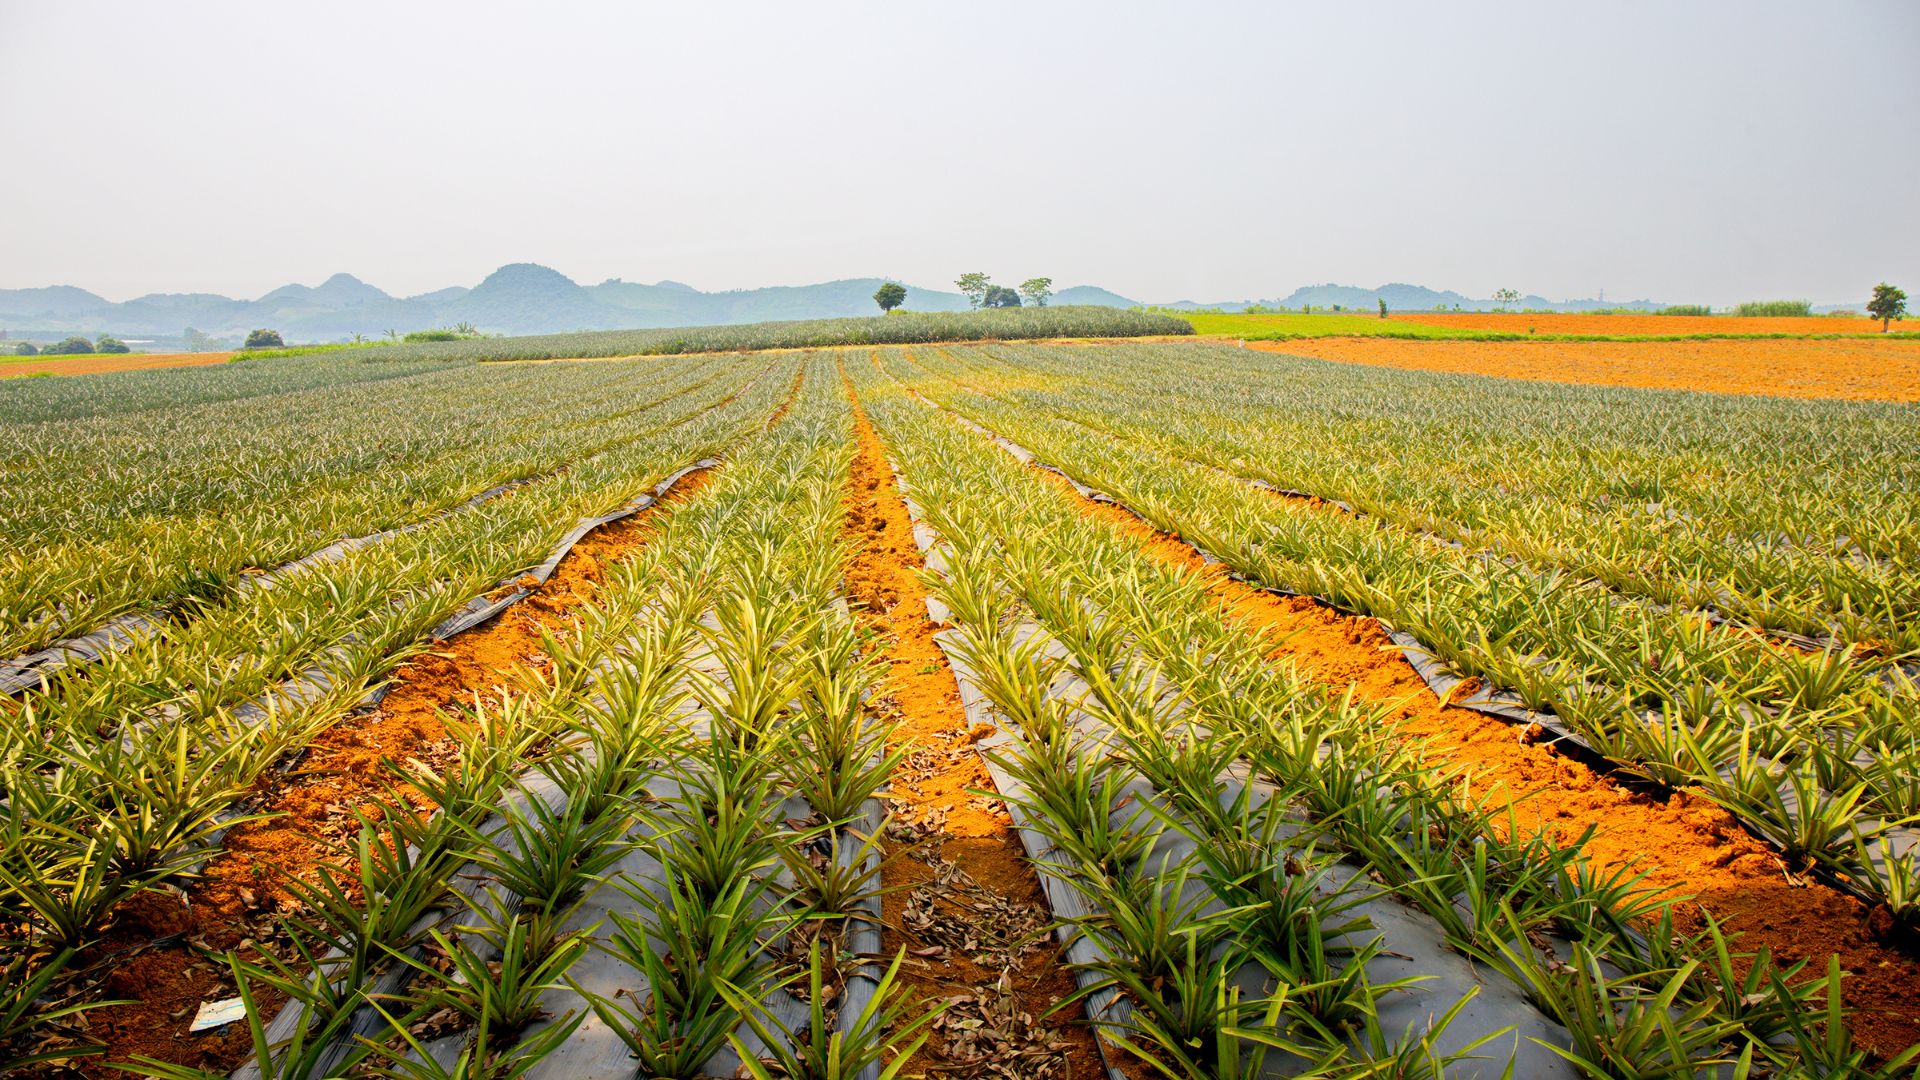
(1684, 843)
(1847, 369)
(100, 365)
(1519, 323)
(934, 789)
(241, 892)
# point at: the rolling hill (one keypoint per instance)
(520, 298)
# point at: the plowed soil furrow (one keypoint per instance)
(240, 896)
(966, 905)
(1685, 843)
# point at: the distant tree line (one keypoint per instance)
(74, 346)
(980, 292)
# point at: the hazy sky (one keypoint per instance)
(1687, 151)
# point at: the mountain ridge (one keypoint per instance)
(528, 298)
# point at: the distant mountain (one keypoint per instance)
(1092, 294)
(54, 300)
(1401, 297)
(1398, 297)
(520, 298)
(529, 298)
(526, 298)
(338, 291)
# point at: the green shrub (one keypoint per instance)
(73, 346)
(26, 348)
(1774, 308)
(107, 343)
(1685, 309)
(432, 335)
(264, 339)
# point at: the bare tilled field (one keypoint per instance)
(1158, 709)
(1845, 369)
(15, 367)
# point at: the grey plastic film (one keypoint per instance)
(30, 671)
(1414, 944)
(484, 607)
(1507, 706)
(594, 1051)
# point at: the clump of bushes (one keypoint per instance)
(1776, 309)
(73, 346)
(264, 339)
(26, 348)
(440, 334)
(1685, 309)
(107, 343)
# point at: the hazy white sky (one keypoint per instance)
(1698, 151)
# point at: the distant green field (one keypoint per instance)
(1268, 327)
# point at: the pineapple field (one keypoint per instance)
(868, 708)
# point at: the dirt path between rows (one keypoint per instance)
(1685, 843)
(966, 904)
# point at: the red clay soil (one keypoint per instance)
(1685, 843)
(240, 894)
(969, 837)
(1847, 369)
(101, 365)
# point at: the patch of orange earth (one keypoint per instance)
(935, 789)
(102, 365)
(1684, 843)
(1571, 323)
(241, 893)
(1844, 369)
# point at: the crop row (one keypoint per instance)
(116, 775)
(1800, 516)
(1818, 750)
(1228, 824)
(620, 876)
(125, 393)
(183, 505)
